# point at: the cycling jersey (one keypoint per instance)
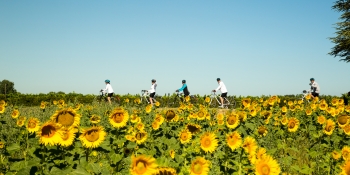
(185, 89)
(221, 87)
(108, 89)
(153, 88)
(315, 87)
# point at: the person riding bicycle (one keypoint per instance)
(223, 90)
(108, 90)
(184, 88)
(315, 88)
(152, 91)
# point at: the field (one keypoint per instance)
(267, 135)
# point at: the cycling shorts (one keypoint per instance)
(224, 94)
(152, 94)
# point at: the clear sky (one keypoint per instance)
(255, 47)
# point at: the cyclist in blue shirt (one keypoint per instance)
(184, 88)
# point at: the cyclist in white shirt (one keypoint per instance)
(223, 90)
(108, 90)
(315, 88)
(152, 91)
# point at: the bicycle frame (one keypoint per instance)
(145, 96)
(216, 97)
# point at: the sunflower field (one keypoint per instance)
(267, 135)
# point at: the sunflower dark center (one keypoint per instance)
(31, 124)
(231, 120)
(265, 170)
(141, 167)
(342, 119)
(65, 118)
(48, 131)
(92, 135)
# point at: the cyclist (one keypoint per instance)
(184, 88)
(315, 88)
(223, 90)
(109, 90)
(152, 91)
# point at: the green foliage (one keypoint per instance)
(342, 40)
(7, 87)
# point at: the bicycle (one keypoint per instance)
(145, 95)
(227, 103)
(181, 97)
(104, 96)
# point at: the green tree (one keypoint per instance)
(7, 87)
(342, 40)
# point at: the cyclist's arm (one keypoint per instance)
(105, 89)
(182, 88)
(218, 87)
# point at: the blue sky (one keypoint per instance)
(255, 47)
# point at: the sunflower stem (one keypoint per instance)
(87, 155)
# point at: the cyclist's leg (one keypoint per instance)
(109, 97)
(223, 95)
(151, 97)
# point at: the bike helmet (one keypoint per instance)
(183, 81)
(312, 79)
(107, 81)
(153, 80)
(218, 79)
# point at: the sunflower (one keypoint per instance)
(242, 116)
(334, 101)
(2, 109)
(293, 124)
(329, 127)
(118, 117)
(199, 166)
(42, 105)
(308, 97)
(262, 130)
(95, 119)
(234, 140)
(308, 111)
(323, 106)
(345, 168)
(336, 155)
(15, 113)
(140, 126)
(166, 171)
(345, 152)
(347, 108)
(292, 108)
(67, 136)
(143, 165)
(92, 137)
(2, 145)
(207, 99)
(209, 143)
(284, 120)
(267, 166)
(232, 121)
(249, 145)
(221, 122)
(20, 123)
(321, 119)
(157, 104)
(346, 129)
(137, 101)
(148, 108)
(343, 120)
(170, 115)
(201, 114)
(33, 125)
(172, 153)
(193, 128)
(134, 118)
(2, 103)
(284, 109)
(253, 111)
(141, 137)
(246, 102)
(290, 103)
(252, 158)
(260, 153)
(130, 138)
(155, 125)
(185, 136)
(49, 134)
(66, 117)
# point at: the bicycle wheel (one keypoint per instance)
(232, 104)
(213, 103)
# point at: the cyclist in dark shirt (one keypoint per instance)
(184, 88)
